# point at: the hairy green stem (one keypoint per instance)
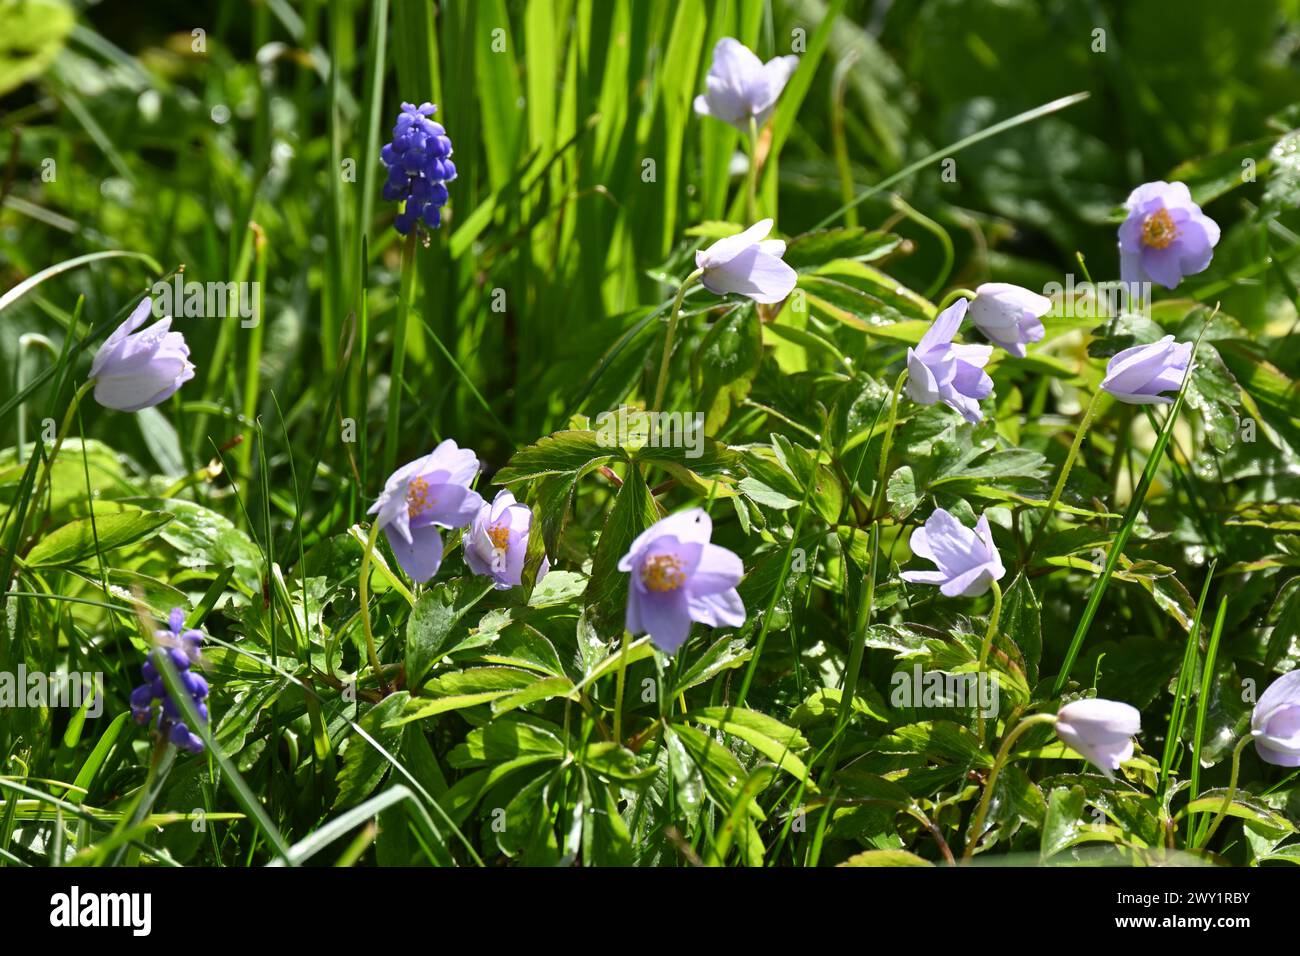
(618, 691)
(48, 464)
(953, 295)
(1000, 761)
(364, 589)
(1079, 435)
(867, 599)
(993, 624)
(939, 233)
(1232, 790)
(674, 316)
(401, 327)
(253, 360)
(987, 646)
(887, 444)
(24, 343)
(751, 184)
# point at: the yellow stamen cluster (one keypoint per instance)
(663, 572)
(1158, 231)
(417, 497)
(499, 536)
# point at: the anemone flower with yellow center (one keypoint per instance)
(679, 577)
(422, 496)
(1165, 237)
(496, 544)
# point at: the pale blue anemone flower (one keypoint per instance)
(1275, 722)
(968, 561)
(748, 264)
(1166, 236)
(740, 87)
(679, 577)
(1009, 315)
(497, 541)
(1101, 730)
(938, 370)
(420, 497)
(134, 370)
(1139, 374)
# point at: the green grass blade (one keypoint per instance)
(1019, 119)
(1121, 538)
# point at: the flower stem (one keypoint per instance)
(952, 296)
(751, 186)
(987, 646)
(993, 625)
(364, 589)
(867, 598)
(48, 464)
(673, 317)
(1001, 760)
(886, 445)
(401, 328)
(1065, 473)
(1116, 548)
(1232, 791)
(618, 691)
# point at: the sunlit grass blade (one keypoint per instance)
(1019, 119)
(1183, 689)
(1196, 829)
(31, 282)
(1116, 547)
(319, 839)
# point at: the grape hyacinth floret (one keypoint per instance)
(419, 167)
(182, 647)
